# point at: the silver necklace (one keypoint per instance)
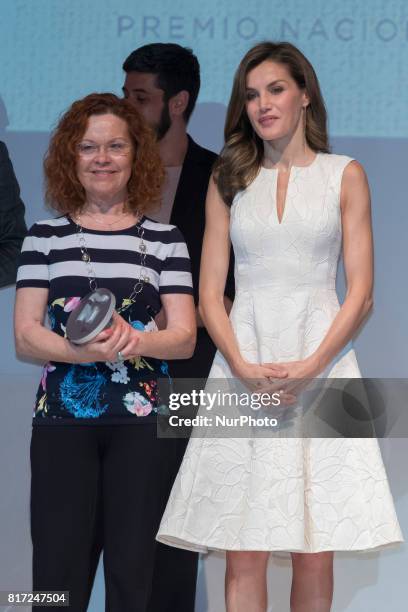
(106, 222)
(86, 258)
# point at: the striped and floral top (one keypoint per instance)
(111, 392)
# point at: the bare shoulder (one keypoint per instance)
(355, 191)
(214, 187)
(354, 173)
(214, 197)
(354, 179)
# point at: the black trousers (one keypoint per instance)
(93, 488)
(175, 570)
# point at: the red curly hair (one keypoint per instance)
(64, 192)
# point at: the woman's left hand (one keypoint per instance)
(133, 347)
(300, 374)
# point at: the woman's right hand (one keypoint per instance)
(106, 345)
(256, 376)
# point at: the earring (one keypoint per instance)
(304, 113)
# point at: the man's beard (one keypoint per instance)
(164, 122)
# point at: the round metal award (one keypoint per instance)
(91, 316)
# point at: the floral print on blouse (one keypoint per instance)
(90, 390)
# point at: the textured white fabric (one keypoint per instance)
(294, 494)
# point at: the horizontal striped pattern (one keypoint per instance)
(51, 252)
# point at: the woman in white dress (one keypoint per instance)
(288, 206)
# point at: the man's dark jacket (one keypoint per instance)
(12, 224)
(189, 215)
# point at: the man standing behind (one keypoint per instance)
(12, 224)
(163, 81)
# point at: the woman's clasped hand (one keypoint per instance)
(118, 342)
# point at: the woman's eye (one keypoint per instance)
(250, 95)
(277, 90)
(119, 148)
(86, 148)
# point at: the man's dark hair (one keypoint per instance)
(176, 67)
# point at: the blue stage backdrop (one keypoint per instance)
(55, 51)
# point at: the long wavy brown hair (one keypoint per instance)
(64, 192)
(242, 154)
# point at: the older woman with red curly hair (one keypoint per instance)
(100, 476)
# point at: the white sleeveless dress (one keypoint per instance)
(287, 494)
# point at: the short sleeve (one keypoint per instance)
(175, 275)
(33, 270)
